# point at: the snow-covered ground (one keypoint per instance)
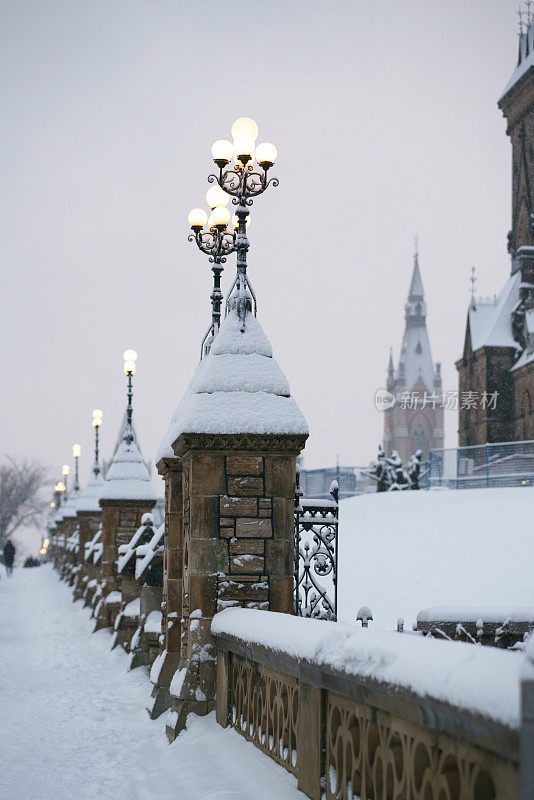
(401, 552)
(73, 724)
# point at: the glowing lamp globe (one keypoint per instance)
(222, 152)
(266, 154)
(244, 126)
(217, 197)
(197, 218)
(66, 469)
(129, 355)
(129, 367)
(221, 217)
(76, 450)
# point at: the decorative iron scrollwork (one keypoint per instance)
(315, 557)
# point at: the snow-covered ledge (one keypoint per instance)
(456, 703)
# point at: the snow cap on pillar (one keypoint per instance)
(127, 477)
(88, 500)
(238, 388)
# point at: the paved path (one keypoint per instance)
(73, 724)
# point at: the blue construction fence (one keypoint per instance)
(482, 466)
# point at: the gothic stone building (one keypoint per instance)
(415, 422)
(498, 351)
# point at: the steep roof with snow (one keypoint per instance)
(127, 477)
(490, 323)
(237, 388)
(525, 60)
(88, 500)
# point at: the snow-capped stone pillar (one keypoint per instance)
(126, 495)
(166, 664)
(234, 440)
(89, 518)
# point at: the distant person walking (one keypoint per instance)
(9, 556)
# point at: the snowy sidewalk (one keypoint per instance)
(73, 724)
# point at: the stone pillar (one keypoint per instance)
(88, 523)
(238, 495)
(228, 458)
(171, 471)
(120, 520)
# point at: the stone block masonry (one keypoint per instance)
(236, 541)
(246, 525)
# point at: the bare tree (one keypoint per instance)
(20, 500)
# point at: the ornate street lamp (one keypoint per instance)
(98, 416)
(243, 175)
(59, 490)
(130, 357)
(65, 471)
(76, 452)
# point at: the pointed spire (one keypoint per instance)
(390, 363)
(390, 383)
(416, 284)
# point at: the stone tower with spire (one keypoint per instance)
(415, 421)
(497, 364)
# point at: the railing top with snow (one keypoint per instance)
(453, 684)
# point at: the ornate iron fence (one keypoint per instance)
(315, 557)
(482, 466)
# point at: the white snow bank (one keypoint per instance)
(237, 388)
(402, 552)
(484, 680)
(474, 613)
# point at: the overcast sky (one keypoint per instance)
(386, 121)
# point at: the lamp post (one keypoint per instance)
(98, 416)
(65, 471)
(59, 489)
(130, 357)
(76, 452)
(244, 179)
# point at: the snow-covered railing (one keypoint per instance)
(147, 552)
(355, 710)
(498, 626)
(127, 551)
(482, 466)
(91, 545)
